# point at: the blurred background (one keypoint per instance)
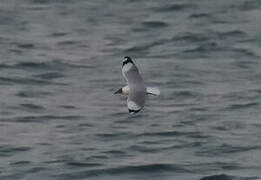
(60, 62)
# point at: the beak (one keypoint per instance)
(119, 91)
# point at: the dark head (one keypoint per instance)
(127, 59)
(119, 91)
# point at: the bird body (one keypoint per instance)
(135, 89)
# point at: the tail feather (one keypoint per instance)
(153, 90)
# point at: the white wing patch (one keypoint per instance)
(153, 90)
(132, 105)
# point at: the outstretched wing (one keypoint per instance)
(131, 73)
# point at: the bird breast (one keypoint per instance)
(125, 90)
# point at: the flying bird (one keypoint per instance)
(135, 88)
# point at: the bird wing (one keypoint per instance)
(131, 74)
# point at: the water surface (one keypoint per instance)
(60, 62)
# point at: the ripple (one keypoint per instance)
(138, 49)
(30, 93)
(242, 64)
(35, 170)
(226, 149)
(42, 1)
(29, 107)
(185, 94)
(58, 34)
(191, 38)
(26, 81)
(68, 43)
(110, 136)
(230, 34)
(244, 95)
(40, 118)
(115, 152)
(31, 65)
(167, 133)
(32, 106)
(230, 126)
(154, 24)
(50, 75)
(144, 149)
(20, 163)
(56, 64)
(174, 133)
(147, 168)
(83, 164)
(226, 177)
(240, 52)
(248, 5)
(8, 150)
(215, 49)
(175, 7)
(200, 15)
(242, 106)
(68, 106)
(218, 177)
(25, 46)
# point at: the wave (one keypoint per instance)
(174, 133)
(154, 24)
(28, 94)
(175, 7)
(26, 81)
(49, 65)
(226, 177)
(242, 106)
(40, 118)
(9, 150)
(147, 168)
(218, 177)
(50, 75)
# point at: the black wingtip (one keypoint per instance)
(127, 57)
(134, 111)
(127, 60)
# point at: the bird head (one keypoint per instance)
(127, 60)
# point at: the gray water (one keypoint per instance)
(60, 62)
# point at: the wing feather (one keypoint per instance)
(131, 74)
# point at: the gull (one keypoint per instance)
(135, 88)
